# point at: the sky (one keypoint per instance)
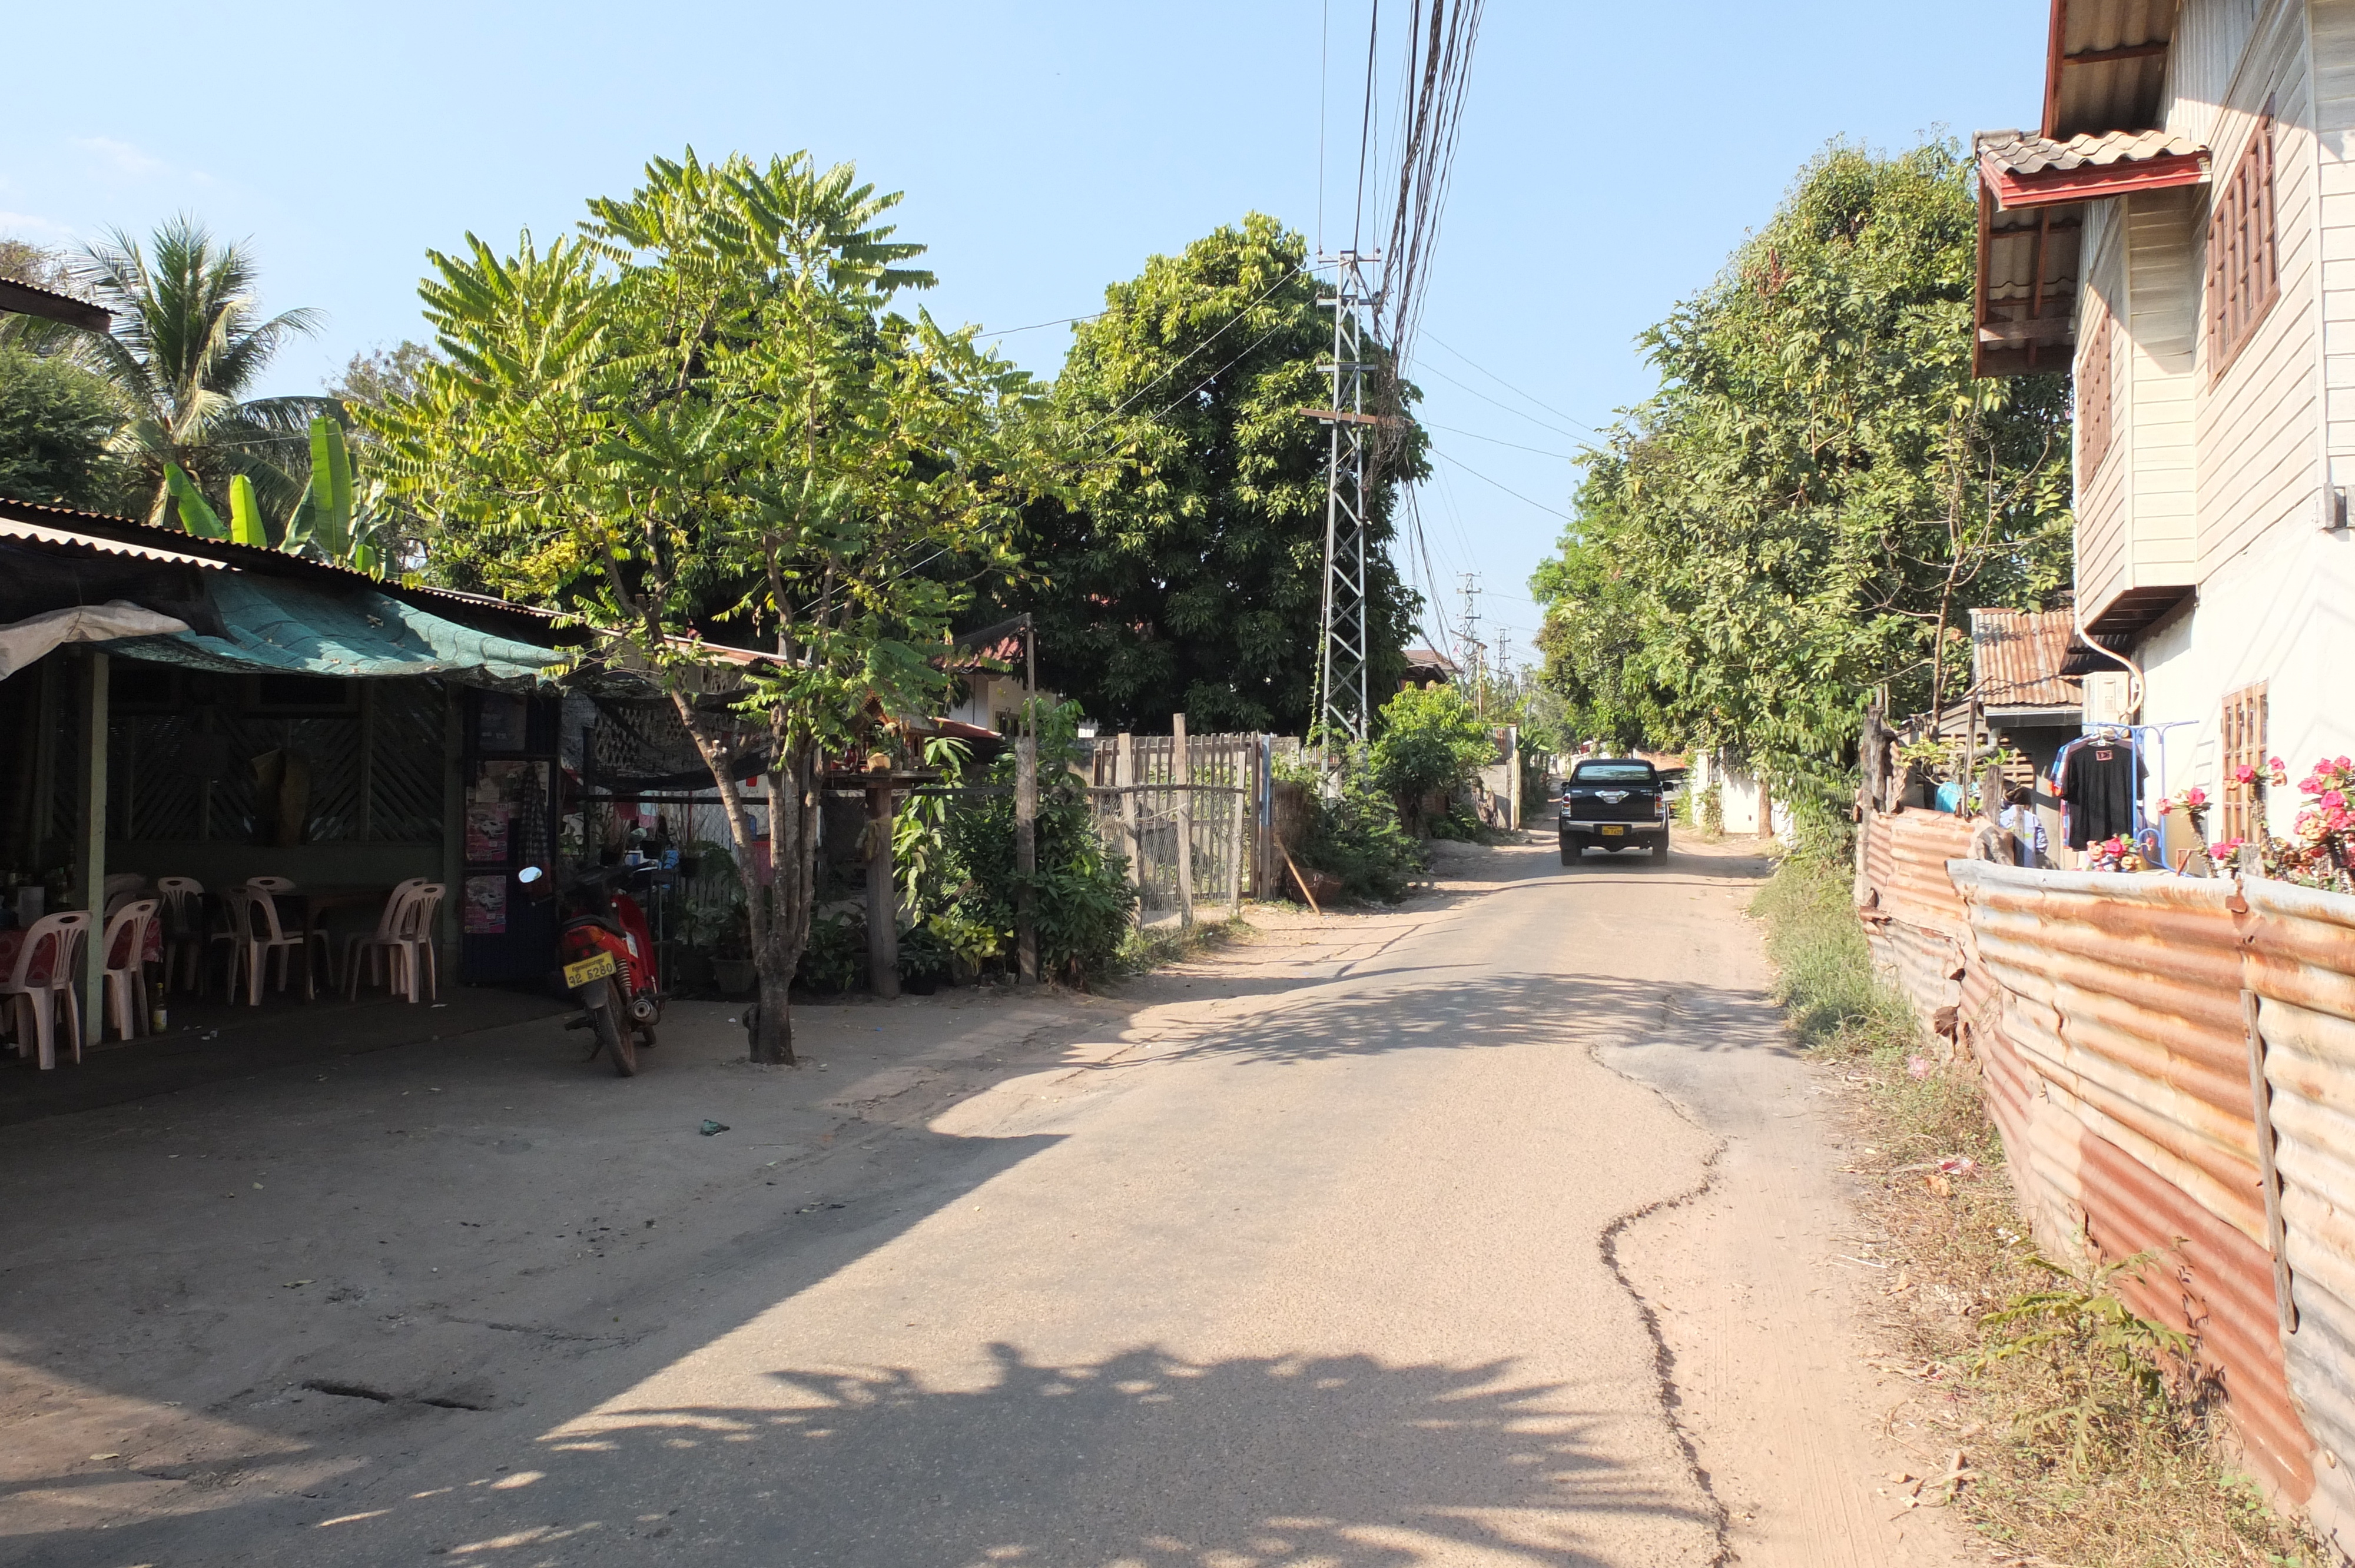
(1612, 156)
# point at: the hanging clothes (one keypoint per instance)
(2100, 779)
(2030, 843)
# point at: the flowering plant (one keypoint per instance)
(2320, 849)
(2195, 801)
(2114, 855)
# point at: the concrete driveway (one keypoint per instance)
(1496, 1229)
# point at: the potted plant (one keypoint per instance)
(924, 960)
(731, 956)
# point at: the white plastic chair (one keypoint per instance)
(385, 945)
(419, 935)
(125, 950)
(183, 900)
(121, 889)
(255, 936)
(42, 979)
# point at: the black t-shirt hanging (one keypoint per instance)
(2100, 781)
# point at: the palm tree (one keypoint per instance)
(188, 343)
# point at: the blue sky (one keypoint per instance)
(1613, 154)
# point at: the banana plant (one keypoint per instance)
(326, 522)
(197, 516)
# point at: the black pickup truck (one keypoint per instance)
(1614, 803)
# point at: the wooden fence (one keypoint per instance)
(1186, 811)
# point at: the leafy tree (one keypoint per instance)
(378, 376)
(1430, 740)
(1818, 491)
(57, 420)
(189, 343)
(703, 414)
(1185, 574)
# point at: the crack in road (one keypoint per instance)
(1664, 1359)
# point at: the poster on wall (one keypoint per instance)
(486, 830)
(486, 906)
(499, 723)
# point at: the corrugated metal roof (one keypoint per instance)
(2022, 153)
(12, 528)
(2017, 658)
(99, 525)
(2106, 65)
(28, 300)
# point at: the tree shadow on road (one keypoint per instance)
(1573, 1011)
(1144, 1458)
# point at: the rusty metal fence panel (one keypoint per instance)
(2123, 1027)
(2301, 972)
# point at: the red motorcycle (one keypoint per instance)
(608, 953)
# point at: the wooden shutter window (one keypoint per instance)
(2243, 744)
(2095, 394)
(2243, 270)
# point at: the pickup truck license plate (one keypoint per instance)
(1614, 831)
(587, 970)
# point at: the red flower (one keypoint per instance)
(2245, 774)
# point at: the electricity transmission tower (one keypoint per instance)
(1343, 707)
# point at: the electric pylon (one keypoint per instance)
(1343, 708)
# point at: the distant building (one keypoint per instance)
(1424, 665)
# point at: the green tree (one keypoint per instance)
(1818, 491)
(1430, 741)
(57, 424)
(703, 414)
(189, 343)
(1185, 574)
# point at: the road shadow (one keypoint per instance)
(1141, 1458)
(1349, 1018)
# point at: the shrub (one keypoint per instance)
(1083, 900)
(1430, 742)
(1356, 835)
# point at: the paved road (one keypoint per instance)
(1491, 1232)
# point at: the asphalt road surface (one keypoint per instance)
(1501, 1229)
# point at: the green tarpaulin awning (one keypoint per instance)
(276, 627)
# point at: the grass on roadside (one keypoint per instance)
(2086, 1439)
(1144, 951)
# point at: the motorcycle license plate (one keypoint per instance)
(588, 970)
(1613, 832)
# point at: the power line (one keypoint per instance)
(1323, 74)
(1566, 457)
(1508, 489)
(1364, 132)
(1034, 326)
(1425, 365)
(1508, 385)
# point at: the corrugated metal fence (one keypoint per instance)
(2171, 1063)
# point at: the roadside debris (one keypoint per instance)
(711, 1126)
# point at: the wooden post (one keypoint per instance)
(1181, 773)
(89, 850)
(882, 896)
(1026, 855)
(1242, 755)
(450, 940)
(1124, 778)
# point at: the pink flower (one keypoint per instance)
(2334, 798)
(2245, 774)
(2195, 799)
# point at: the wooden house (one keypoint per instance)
(2178, 231)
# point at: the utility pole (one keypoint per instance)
(1472, 643)
(1342, 708)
